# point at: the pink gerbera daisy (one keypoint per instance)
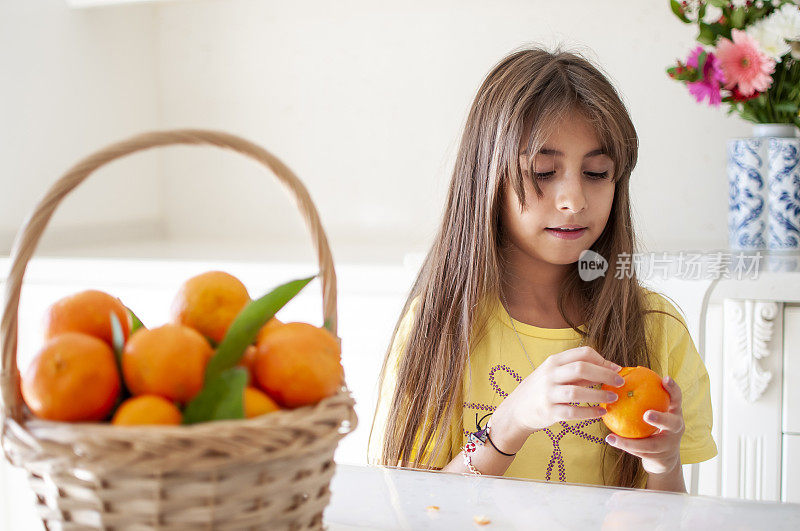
(711, 77)
(744, 64)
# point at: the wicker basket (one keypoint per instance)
(270, 472)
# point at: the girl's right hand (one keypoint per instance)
(547, 395)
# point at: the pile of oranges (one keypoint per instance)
(100, 363)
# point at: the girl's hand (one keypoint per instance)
(550, 393)
(660, 453)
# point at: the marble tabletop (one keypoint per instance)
(373, 497)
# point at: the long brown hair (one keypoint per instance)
(463, 267)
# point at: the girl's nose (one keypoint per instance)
(570, 195)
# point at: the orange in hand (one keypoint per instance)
(168, 361)
(209, 303)
(642, 391)
(298, 364)
(73, 378)
(88, 312)
(146, 410)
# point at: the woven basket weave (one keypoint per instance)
(269, 472)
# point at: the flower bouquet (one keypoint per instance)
(748, 57)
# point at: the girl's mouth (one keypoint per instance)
(567, 234)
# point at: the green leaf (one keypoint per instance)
(719, 3)
(701, 61)
(137, 324)
(687, 73)
(707, 35)
(118, 340)
(244, 329)
(221, 398)
(786, 106)
(757, 13)
(678, 10)
(737, 17)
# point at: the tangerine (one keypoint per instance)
(641, 391)
(298, 364)
(73, 378)
(147, 409)
(168, 361)
(248, 359)
(209, 303)
(88, 312)
(257, 403)
(272, 324)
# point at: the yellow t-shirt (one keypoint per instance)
(566, 451)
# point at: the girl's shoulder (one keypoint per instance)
(669, 340)
(661, 309)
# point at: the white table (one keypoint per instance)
(371, 497)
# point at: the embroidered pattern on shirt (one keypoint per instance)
(553, 432)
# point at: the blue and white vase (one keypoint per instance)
(764, 189)
(783, 185)
(747, 198)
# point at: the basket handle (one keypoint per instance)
(29, 235)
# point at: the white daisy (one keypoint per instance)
(786, 21)
(769, 38)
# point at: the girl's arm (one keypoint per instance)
(486, 459)
(672, 480)
(544, 397)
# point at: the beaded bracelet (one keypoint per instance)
(468, 449)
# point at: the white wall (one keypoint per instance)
(73, 81)
(365, 100)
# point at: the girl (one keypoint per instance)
(499, 323)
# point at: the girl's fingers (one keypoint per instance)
(664, 421)
(640, 447)
(578, 371)
(675, 395)
(585, 383)
(565, 412)
(587, 354)
(565, 394)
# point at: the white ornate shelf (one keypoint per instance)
(750, 327)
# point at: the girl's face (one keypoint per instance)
(576, 178)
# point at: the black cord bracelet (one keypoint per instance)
(498, 449)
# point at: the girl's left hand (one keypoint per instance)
(660, 453)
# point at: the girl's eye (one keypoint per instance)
(593, 175)
(601, 175)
